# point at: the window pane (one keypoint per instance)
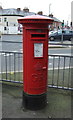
(5, 19)
(0, 19)
(5, 28)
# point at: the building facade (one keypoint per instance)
(10, 25)
(57, 24)
(8, 20)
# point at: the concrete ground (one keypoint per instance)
(58, 103)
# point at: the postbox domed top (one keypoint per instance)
(35, 19)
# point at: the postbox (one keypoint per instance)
(35, 60)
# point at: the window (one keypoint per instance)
(5, 19)
(0, 19)
(7, 23)
(14, 25)
(5, 28)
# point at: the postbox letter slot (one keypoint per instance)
(37, 35)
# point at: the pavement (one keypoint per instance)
(58, 103)
(56, 44)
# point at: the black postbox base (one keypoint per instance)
(34, 102)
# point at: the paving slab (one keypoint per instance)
(58, 103)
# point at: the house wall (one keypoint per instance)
(55, 26)
(9, 24)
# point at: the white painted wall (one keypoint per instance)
(13, 30)
(12, 27)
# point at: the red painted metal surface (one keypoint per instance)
(35, 54)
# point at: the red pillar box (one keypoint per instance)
(35, 60)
